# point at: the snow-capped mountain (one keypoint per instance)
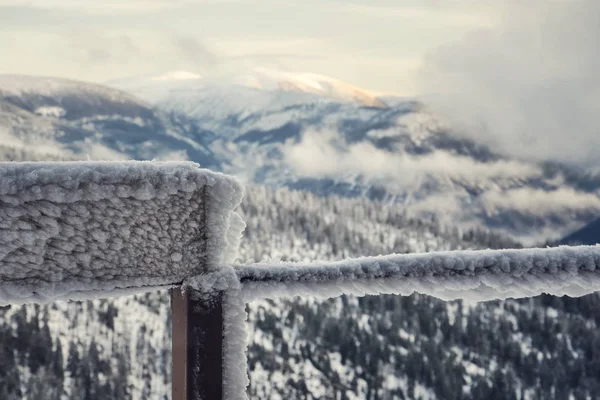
(286, 129)
(302, 131)
(165, 88)
(65, 117)
(376, 347)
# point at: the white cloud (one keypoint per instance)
(316, 155)
(238, 46)
(540, 201)
(360, 45)
(529, 86)
(99, 6)
(447, 208)
(98, 55)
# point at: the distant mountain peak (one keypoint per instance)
(284, 129)
(305, 82)
(262, 79)
(20, 85)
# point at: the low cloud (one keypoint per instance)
(318, 155)
(95, 47)
(530, 86)
(540, 201)
(195, 51)
(101, 55)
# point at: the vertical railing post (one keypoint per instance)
(197, 346)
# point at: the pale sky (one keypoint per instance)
(375, 44)
(521, 75)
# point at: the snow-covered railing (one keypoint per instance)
(81, 230)
(472, 275)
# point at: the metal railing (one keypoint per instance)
(209, 360)
(98, 229)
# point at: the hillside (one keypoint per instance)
(381, 347)
(60, 116)
(297, 138)
(175, 84)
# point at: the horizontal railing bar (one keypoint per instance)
(438, 264)
(484, 274)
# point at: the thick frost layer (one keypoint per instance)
(470, 275)
(235, 334)
(79, 229)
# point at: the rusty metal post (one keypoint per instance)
(197, 336)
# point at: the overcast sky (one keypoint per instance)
(529, 86)
(521, 75)
(375, 44)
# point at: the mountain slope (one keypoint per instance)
(175, 83)
(69, 117)
(287, 137)
(384, 347)
(402, 153)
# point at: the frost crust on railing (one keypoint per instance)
(79, 229)
(471, 275)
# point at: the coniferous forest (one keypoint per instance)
(358, 128)
(375, 347)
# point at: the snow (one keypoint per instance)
(19, 85)
(48, 111)
(267, 85)
(78, 230)
(470, 275)
(275, 79)
(235, 333)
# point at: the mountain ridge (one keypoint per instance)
(375, 347)
(405, 347)
(258, 78)
(401, 154)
